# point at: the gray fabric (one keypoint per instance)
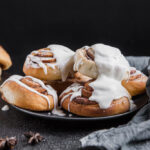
(136, 134)
(140, 63)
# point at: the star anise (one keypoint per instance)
(33, 138)
(7, 143)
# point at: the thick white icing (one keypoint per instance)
(64, 60)
(112, 68)
(49, 89)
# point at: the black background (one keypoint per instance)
(26, 25)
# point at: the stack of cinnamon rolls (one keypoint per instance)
(94, 81)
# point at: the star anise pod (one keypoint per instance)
(33, 138)
(7, 143)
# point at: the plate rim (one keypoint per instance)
(78, 118)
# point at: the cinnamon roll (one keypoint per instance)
(76, 99)
(86, 65)
(84, 62)
(105, 95)
(5, 60)
(136, 84)
(52, 63)
(28, 93)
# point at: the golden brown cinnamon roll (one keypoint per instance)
(28, 93)
(137, 82)
(51, 63)
(87, 69)
(75, 99)
(5, 60)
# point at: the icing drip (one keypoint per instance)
(50, 90)
(5, 108)
(36, 61)
(113, 68)
(64, 59)
(76, 91)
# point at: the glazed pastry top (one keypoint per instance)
(112, 68)
(53, 56)
(34, 85)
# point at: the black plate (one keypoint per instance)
(139, 101)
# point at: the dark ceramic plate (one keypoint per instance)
(139, 101)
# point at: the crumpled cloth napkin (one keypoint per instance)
(135, 135)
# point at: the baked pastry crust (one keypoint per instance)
(84, 62)
(82, 106)
(52, 63)
(52, 73)
(136, 84)
(5, 60)
(20, 96)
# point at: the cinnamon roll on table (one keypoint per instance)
(28, 93)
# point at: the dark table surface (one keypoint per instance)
(59, 135)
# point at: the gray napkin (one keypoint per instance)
(135, 135)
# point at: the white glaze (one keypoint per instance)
(58, 111)
(5, 108)
(36, 62)
(50, 90)
(113, 68)
(75, 89)
(64, 59)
